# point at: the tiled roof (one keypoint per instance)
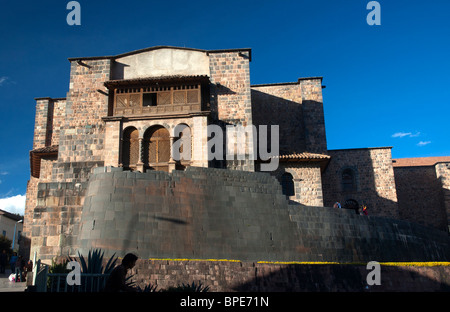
(46, 149)
(419, 161)
(304, 156)
(35, 158)
(10, 215)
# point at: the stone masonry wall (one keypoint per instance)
(231, 276)
(200, 212)
(48, 121)
(443, 174)
(313, 115)
(298, 110)
(281, 105)
(420, 197)
(230, 94)
(57, 120)
(206, 213)
(55, 218)
(82, 135)
(307, 181)
(374, 180)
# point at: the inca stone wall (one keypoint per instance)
(205, 213)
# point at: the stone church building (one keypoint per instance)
(128, 110)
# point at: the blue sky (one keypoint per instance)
(386, 85)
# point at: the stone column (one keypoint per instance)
(172, 162)
(140, 163)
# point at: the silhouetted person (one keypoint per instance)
(12, 263)
(20, 264)
(3, 261)
(116, 280)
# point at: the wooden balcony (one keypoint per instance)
(155, 97)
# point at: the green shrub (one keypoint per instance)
(5, 244)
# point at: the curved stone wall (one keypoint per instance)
(205, 213)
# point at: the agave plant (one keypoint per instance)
(94, 265)
(94, 262)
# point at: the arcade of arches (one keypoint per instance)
(153, 151)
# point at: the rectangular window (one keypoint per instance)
(149, 99)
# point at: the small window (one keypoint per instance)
(348, 180)
(149, 99)
(287, 184)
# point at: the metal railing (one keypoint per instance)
(40, 272)
(57, 282)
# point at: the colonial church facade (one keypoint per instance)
(128, 110)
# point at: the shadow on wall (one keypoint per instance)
(215, 91)
(357, 177)
(345, 278)
(421, 196)
(270, 110)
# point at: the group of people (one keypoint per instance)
(18, 266)
(362, 210)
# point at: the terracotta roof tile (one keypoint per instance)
(46, 149)
(419, 161)
(35, 158)
(303, 156)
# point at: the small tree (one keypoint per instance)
(5, 244)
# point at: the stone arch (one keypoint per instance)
(287, 184)
(130, 148)
(352, 204)
(156, 148)
(348, 179)
(182, 144)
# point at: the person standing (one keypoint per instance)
(20, 264)
(12, 262)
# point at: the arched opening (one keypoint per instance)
(182, 146)
(156, 148)
(130, 149)
(352, 204)
(348, 180)
(287, 184)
